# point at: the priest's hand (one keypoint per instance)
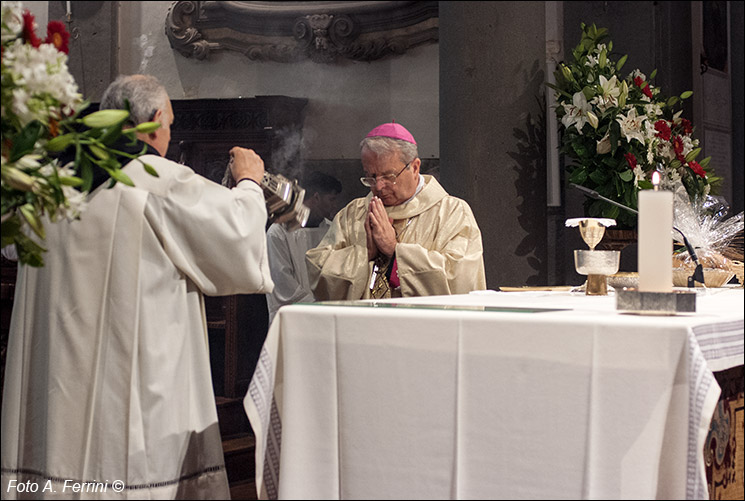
(246, 164)
(381, 226)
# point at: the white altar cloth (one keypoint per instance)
(396, 399)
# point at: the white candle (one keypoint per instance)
(655, 239)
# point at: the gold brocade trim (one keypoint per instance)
(381, 288)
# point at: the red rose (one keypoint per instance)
(678, 148)
(28, 29)
(687, 127)
(663, 130)
(630, 159)
(647, 91)
(58, 36)
(638, 81)
(695, 167)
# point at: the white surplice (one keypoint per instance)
(287, 263)
(108, 376)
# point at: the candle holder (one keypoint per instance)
(596, 264)
(655, 303)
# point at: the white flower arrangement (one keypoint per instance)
(618, 130)
(40, 106)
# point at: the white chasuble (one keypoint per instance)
(439, 249)
(107, 381)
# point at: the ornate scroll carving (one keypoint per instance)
(182, 34)
(324, 32)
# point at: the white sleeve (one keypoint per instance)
(213, 234)
(287, 287)
(9, 252)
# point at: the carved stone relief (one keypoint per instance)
(324, 32)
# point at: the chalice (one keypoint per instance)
(596, 264)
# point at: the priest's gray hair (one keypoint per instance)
(145, 95)
(382, 145)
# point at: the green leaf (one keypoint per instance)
(598, 176)
(672, 100)
(149, 169)
(579, 176)
(609, 161)
(10, 228)
(705, 162)
(614, 136)
(610, 211)
(588, 92)
(692, 155)
(602, 59)
(645, 185)
(105, 118)
(628, 197)
(579, 149)
(59, 143)
(29, 214)
(686, 94)
(621, 62)
(654, 74)
(86, 174)
(595, 209)
(674, 164)
(24, 141)
(121, 177)
(29, 252)
(626, 175)
(557, 89)
(110, 135)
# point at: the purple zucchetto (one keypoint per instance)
(392, 130)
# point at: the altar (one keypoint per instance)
(498, 395)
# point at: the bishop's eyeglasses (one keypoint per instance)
(389, 179)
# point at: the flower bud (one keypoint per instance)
(566, 72)
(17, 179)
(623, 94)
(593, 119)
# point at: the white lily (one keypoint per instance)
(576, 113)
(591, 61)
(632, 126)
(638, 175)
(610, 89)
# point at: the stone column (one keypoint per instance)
(492, 130)
(94, 44)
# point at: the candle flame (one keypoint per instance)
(656, 179)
